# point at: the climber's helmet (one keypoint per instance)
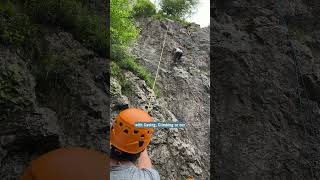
(125, 137)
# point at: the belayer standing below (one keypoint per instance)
(177, 54)
(128, 155)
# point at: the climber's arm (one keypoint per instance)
(145, 165)
(144, 160)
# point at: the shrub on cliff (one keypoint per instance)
(178, 8)
(122, 27)
(87, 27)
(123, 33)
(144, 8)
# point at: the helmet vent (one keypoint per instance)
(120, 123)
(141, 143)
(135, 132)
(126, 131)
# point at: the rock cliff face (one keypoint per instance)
(184, 96)
(266, 74)
(60, 101)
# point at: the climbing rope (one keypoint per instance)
(299, 75)
(308, 110)
(299, 79)
(157, 72)
(298, 71)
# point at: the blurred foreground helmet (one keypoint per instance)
(69, 164)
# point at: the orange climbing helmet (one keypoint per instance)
(68, 164)
(125, 136)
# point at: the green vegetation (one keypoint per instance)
(24, 24)
(73, 16)
(178, 8)
(123, 33)
(122, 27)
(130, 64)
(6, 7)
(12, 91)
(299, 34)
(144, 8)
(115, 69)
(160, 15)
(17, 31)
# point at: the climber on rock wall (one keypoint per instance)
(128, 155)
(177, 54)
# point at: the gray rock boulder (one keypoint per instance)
(184, 96)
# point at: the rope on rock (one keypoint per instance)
(297, 64)
(157, 72)
(298, 71)
(298, 76)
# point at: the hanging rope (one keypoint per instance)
(301, 83)
(298, 71)
(298, 79)
(157, 72)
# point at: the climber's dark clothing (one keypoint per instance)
(177, 54)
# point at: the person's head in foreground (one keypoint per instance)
(128, 155)
(68, 164)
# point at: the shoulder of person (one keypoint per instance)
(152, 173)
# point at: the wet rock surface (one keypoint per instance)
(60, 101)
(266, 68)
(184, 96)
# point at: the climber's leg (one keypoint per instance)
(179, 57)
(175, 58)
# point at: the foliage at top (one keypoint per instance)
(73, 16)
(123, 33)
(178, 8)
(17, 31)
(122, 28)
(144, 8)
(6, 8)
(160, 15)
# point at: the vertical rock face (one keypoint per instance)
(266, 121)
(184, 96)
(58, 101)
